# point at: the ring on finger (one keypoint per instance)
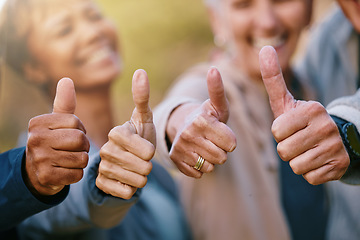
(199, 163)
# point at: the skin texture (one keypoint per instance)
(73, 38)
(200, 129)
(243, 32)
(125, 158)
(307, 136)
(57, 147)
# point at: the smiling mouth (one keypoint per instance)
(276, 42)
(99, 55)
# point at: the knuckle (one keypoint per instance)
(104, 168)
(275, 130)
(328, 128)
(344, 164)
(114, 133)
(141, 182)
(32, 123)
(222, 157)
(147, 167)
(118, 133)
(200, 121)
(341, 165)
(98, 183)
(312, 178)
(75, 176)
(149, 152)
(233, 144)
(105, 151)
(85, 143)
(83, 159)
(282, 151)
(45, 177)
(72, 120)
(210, 167)
(127, 192)
(101, 185)
(37, 121)
(40, 160)
(315, 107)
(35, 139)
(186, 135)
(79, 138)
(295, 167)
(312, 181)
(198, 175)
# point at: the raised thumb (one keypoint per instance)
(279, 96)
(65, 98)
(141, 93)
(217, 94)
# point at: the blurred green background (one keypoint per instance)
(164, 37)
(161, 36)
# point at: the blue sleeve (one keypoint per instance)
(85, 207)
(16, 200)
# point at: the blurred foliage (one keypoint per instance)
(161, 36)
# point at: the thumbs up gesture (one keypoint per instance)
(307, 136)
(198, 132)
(57, 147)
(125, 158)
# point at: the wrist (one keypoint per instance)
(350, 137)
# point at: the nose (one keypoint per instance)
(265, 17)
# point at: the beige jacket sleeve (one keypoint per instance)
(347, 108)
(185, 90)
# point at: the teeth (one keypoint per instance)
(273, 41)
(99, 55)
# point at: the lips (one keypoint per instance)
(96, 56)
(276, 41)
(99, 55)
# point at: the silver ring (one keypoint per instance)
(199, 163)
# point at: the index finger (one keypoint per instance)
(279, 96)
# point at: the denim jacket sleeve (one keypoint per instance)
(85, 207)
(16, 200)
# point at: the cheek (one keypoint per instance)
(295, 18)
(111, 32)
(239, 29)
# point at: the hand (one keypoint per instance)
(57, 147)
(307, 136)
(201, 130)
(125, 158)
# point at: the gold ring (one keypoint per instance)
(200, 163)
